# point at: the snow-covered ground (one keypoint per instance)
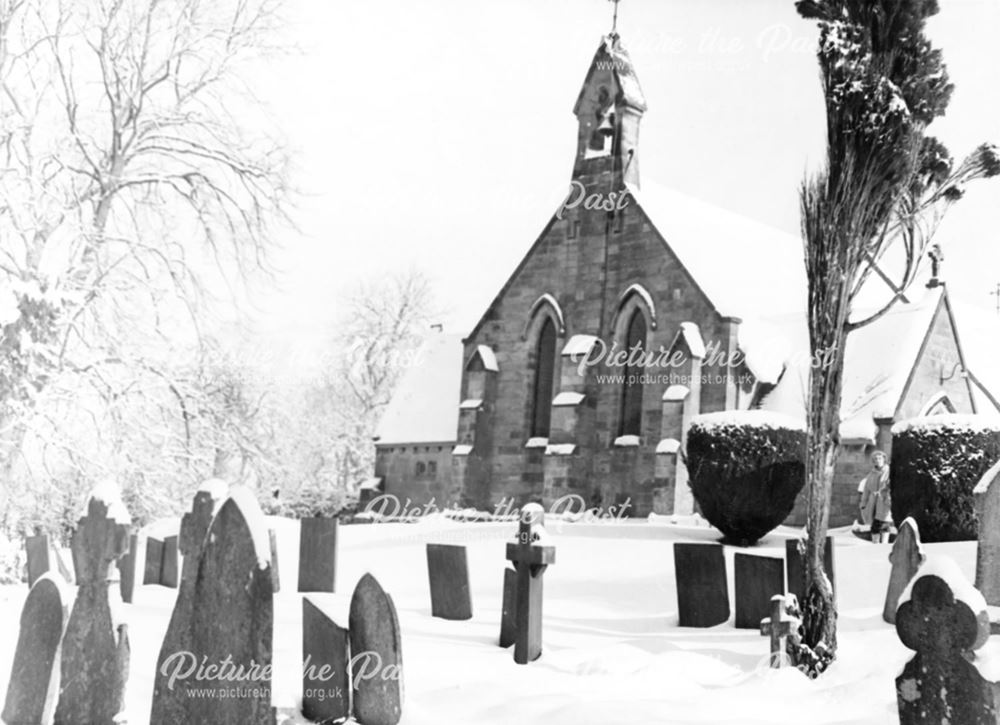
(612, 650)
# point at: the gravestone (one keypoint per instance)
(39, 556)
(170, 566)
(34, 679)
(943, 618)
(987, 502)
(61, 566)
(756, 580)
(326, 657)
(169, 703)
(906, 558)
(318, 554)
(376, 655)
(272, 544)
(508, 624)
(702, 589)
(232, 616)
(531, 555)
(778, 626)
(796, 570)
(126, 570)
(95, 652)
(152, 571)
(448, 570)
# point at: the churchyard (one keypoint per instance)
(648, 621)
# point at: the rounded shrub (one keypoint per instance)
(745, 470)
(936, 462)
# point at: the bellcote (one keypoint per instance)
(608, 110)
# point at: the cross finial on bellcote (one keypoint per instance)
(614, 18)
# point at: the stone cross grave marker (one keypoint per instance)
(778, 626)
(318, 554)
(796, 570)
(376, 655)
(943, 618)
(756, 579)
(95, 652)
(987, 503)
(232, 615)
(34, 679)
(169, 703)
(906, 557)
(508, 624)
(448, 570)
(326, 662)
(531, 555)
(702, 589)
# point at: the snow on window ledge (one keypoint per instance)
(461, 450)
(626, 441)
(471, 404)
(568, 398)
(560, 449)
(668, 445)
(537, 443)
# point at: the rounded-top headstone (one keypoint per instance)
(376, 655)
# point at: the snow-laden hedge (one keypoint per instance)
(745, 469)
(936, 462)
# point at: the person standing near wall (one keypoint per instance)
(876, 501)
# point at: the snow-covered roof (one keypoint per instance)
(424, 408)
(979, 333)
(745, 268)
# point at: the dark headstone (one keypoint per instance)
(795, 566)
(317, 555)
(232, 616)
(756, 580)
(508, 624)
(170, 566)
(272, 543)
(39, 556)
(34, 679)
(153, 569)
(95, 652)
(126, 569)
(326, 658)
(702, 589)
(987, 503)
(906, 558)
(376, 654)
(170, 703)
(531, 557)
(448, 570)
(944, 621)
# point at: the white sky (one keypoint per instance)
(439, 134)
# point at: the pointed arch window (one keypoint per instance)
(545, 367)
(631, 399)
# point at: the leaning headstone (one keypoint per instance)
(317, 554)
(906, 557)
(34, 679)
(702, 589)
(326, 674)
(38, 552)
(779, 626)
(531, 555)
(95, 653)
(126, 569)
(152, 571)
(376, 655)
(448, 570)
(170, 702)
(508, 624)
(232, 615)
(943, 618)
(756, 579)
(987, 503)
(796, 570)
(170, 565)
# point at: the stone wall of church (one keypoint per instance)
(417, 475)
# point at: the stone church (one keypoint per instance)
(635, 309)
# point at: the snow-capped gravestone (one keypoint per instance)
(530, 555)
(448, 570)
(170, 699)
(702, 589)
(778, 626)
(232, 619)
(906, 557)
(756, 580)
(943, 618)
(95, 650)
(508, 624)
(34, 679)
(317, 554)
(987, 502)
(796, 570)
(326, 675)
(376, 655)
